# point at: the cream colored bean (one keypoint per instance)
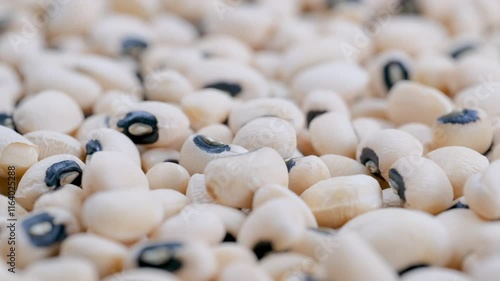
(110, 140)
(421, 184)
(197, 190)
(435, 71)
(113, 101)
(92, 122)
(370, 107)
(166, 85)
(365, 126)
(244, 272)
(159, 58)
(318, 102)
(206, 107)
(379, 151)
(487, 269)
(267, 62)
(152, 123)
(39, 235)
(172, 201)
(435, 274)
(410, 102)
(305, 172)
(459, 163)
(217, 131)
(48, 110)
(106, 255)
(482, 192)
(333, 133)
(277, 107)
(237, 79)
(228, 253)
(173, 29)
(422, 132)
(47, 175)
(232, 180)
(74, 17)
(143, 274)
(391, 199)
(343, 166)
(316, 243)
(281, 266)
(304, 143)
(154, 156)
(52, 143)
(110, 170)
(387, 69)
(481, 97)
(272, 132)
(168, 176)
(142, 9)
(189, 261)
(68, 197)
(125, 216)
(353, 251)
(337, 200)
(471, 71)
(198, 151)
(347, 79)
(225, 46)
(12, 146)
(422, 238)
(464, 127)
(62, 269)
(230, 217)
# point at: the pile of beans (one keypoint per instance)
(238, 140)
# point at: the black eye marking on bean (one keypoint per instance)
(56, 172)
(459, 205)
(313, 114)
(409, 7)
(263, 248)
(42, 231)
(92, 147)
(206, 55)
(290, 163)
(229, 238)
(396, 182)
(164, 258)
(308, 278)
(331, 4)
(175, 161)
(210, 145)
(370, 159)
(140, 126)
(232, 89)
(7, 121)
(107, 120)
(458, 52)
(389, 68)
(133, 46)
(412, 267)
(463, 116)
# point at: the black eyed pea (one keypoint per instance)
(110, 140)
(306, 171)
(304, 143)
(337, 200)
(142, 274)
(197, 190)
(111, 170)
(434, 70)
(234, 78)
(152, 123)
(173, 202)
(206, 107)
(435, 274)
(228, 253)
(365, 126)
(83, 89)
(265, 107)
(244, 272)
(90, 123)
(282, 266)
(267, 62)
(480, 96)
(272, 191)
(483, 193)
(140, 9)
(459, 203)
(318, 102)
(483, 266)
(351, 250)
(272, 132)
(316, 243)
(48, 110)
(459, 163)
(387, 69)
(274, 226)
(47, 175)
(472, 71)
(421, 184)
(290, 32)
(166, 85)
(233, 180)
(230, 217)
(225, 46)
(159, 58)
(217, 131)
(464, 127)
(112, 101)
(62, 269)
(71, 18)
(348, 79)
(52, 143)
(40, 234)
(68, 197)
(173, 29)
(107, 255)
(12, 146)
(11, 85)
(370, 107)
(333, 133)
(339, 166)
(422, 238)
(153, 156)
(198, 151)
(168, 175)
(411, 102)
(422, 132)
(192, 223)
(189, 261)
(125, 216)
(380, 150)
(391, 199)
